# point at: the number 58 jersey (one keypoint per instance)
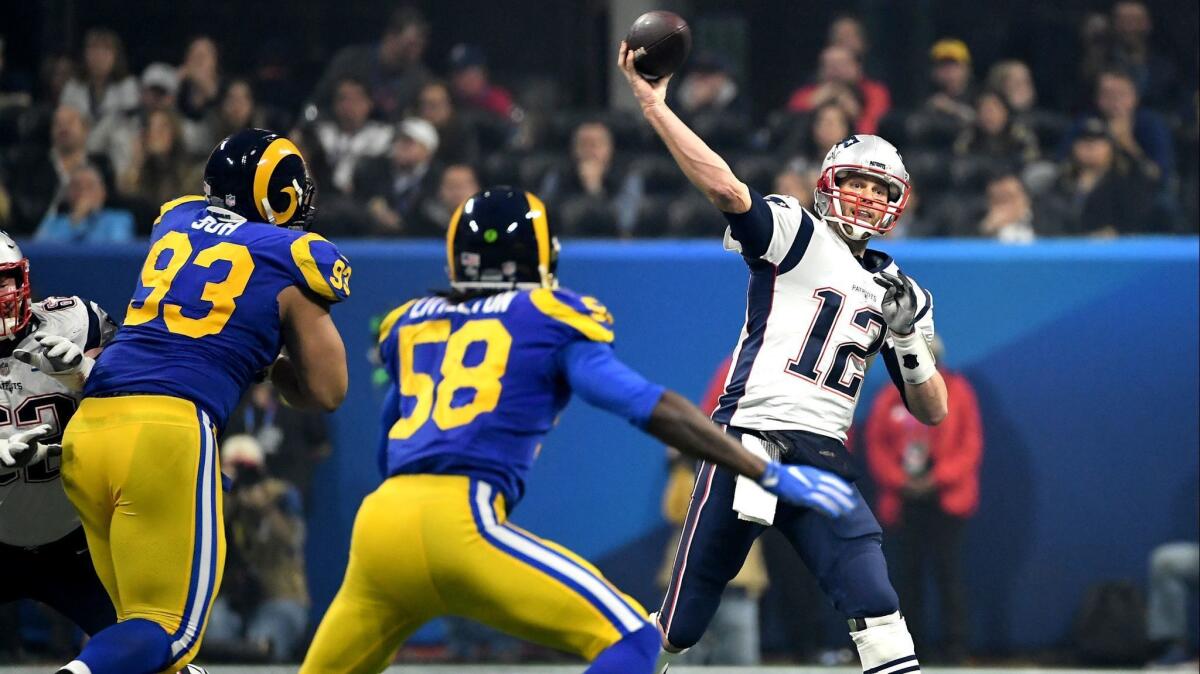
(204, 317)
(477, 384)
(813, 323)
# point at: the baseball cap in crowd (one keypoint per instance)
(420, 131)
(160, 76)
(950, 49)
(1093, 127)
(463, 56)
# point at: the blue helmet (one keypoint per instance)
(501, 239)
(261, 176)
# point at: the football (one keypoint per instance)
(660, 42)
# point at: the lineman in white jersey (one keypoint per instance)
(46, 350)
(820, 306)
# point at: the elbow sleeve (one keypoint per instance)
(597, 376)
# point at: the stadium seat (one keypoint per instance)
(692, 216)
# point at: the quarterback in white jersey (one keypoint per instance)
(46, 350)
(820, 306)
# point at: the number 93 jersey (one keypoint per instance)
(477, 384)
(204, 317)
(813, 322)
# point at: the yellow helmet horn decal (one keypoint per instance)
(277, 151)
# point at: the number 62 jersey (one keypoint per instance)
(34, 510)
(813, 323)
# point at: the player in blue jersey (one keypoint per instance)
(479, 375)
(230, 279)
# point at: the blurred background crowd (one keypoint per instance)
(96, 133)
(1016, 122)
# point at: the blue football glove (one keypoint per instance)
(809, 487)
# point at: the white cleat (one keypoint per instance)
(194, 669)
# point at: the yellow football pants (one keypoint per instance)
(144, 475)
(431, 545)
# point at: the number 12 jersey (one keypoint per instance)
(813, 323)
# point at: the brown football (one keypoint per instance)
(660, 42)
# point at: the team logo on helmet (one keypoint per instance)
(277, 192)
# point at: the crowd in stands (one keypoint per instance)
(90, 150)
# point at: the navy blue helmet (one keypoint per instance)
(500, 239)
(261, 176)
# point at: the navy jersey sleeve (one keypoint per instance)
(390, 414)
(775, 229)
(595, 373)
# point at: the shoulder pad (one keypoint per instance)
(321, 268)
(389, 321)
(176, 202)
(582, 312)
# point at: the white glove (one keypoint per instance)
(59, 358)
(21, 448)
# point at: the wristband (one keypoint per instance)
(916, 360)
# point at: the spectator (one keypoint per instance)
(948, 110)
(996, 136)
(472, 87)
(847, 31)
(733, 636)
(458, 142)
(830, 125)
(200, 79)
(160, 84)
(264, 602)
(839, 74)
(87, 218)
(1098, 190)
(37, 179)
(391, 68)
(394, 185)
(928, 487)
(106, 94)
(1010, 216)
(351, 135)
(1174, 574)
(708, 87)
(161, 169)
(1138, 133)
(456, 184)
(292, 441)
(593, 176)
(237, 110)
(798, 179)
(1128, 47)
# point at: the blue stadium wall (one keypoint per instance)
(1084, 355)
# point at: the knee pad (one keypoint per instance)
(884, 644)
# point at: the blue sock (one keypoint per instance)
(135, 646)
(634, 654)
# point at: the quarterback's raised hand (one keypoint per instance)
(899, 303)
(22, 448)
(810, 487)
(647, 93)
(57, 357)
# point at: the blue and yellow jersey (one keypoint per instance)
(204, 317)
(476, 385)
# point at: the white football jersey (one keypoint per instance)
(34, 509)
(813, 327)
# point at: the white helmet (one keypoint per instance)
(865, 155)
(15, 305)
